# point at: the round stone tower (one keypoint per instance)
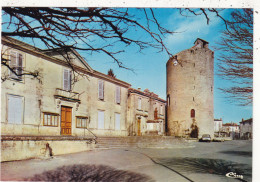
(190, 85)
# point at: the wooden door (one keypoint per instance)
(65, 120)
(139, 127)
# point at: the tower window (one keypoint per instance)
(168, 99)
(192, 113)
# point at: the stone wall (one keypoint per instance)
(190, 85)
(19, 148)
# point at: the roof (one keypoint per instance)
(146, 93)
(230, 124)
(60, 51)
(46, 54)
(218, 119)
(247, 121)
(204, 41)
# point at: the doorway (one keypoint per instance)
(139, 126)
(65, 120)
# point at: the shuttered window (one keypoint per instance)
(140, 103)
(15, 109)
(66, 79)
(101, 121)
(101, 89)
(117, 121)
(118, 94)
(16, 63)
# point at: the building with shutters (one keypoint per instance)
(246, 128)
(65, 105)
(146, 113)
(61, 103)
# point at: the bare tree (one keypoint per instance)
(111, 73)
(236, 56)
(93, 30)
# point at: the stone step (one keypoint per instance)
(137, 141)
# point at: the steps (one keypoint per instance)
(141, 142)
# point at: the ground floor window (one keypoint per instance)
(15, 109)
(117, 121)
(50, 119)
(81, 122)
(101, 120)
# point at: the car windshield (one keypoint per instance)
(206, 135)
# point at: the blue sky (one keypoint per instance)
(150, 66)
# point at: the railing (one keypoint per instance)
(95, 137)
(67, 95)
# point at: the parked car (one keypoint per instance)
(218, 139)
(205, 138)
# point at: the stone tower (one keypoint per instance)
(190, 85)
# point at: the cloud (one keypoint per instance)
(188, 29)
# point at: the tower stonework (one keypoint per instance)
(190, 85)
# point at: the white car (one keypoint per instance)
(205, 138)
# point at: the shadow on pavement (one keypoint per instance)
(89, 173)
(240, 153)
(209, 166)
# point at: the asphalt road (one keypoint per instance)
(198, 162)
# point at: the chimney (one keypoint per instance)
(200, 43)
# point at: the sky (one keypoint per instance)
(150, 65)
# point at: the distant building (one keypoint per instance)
(230, 130)
(246, 129)
(218, 125)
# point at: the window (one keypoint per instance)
(155, 113)
(192, 113)
(66, 79)
(118, 94)
(117, 121)
(81, 122)
(168, 99)
(15, 109)
(139, 103)
(161, 109)
(101, 122)
(101, 89)
(16, 64)
(50, 119)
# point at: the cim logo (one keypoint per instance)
(234, 175)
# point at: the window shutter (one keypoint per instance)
(117, 118)
(101, 89)
(139, 103)
(101, 118)
(20, 65)
(118, 95)
(15, 109)
(66, 79)
(69, 80)
(13, 64)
